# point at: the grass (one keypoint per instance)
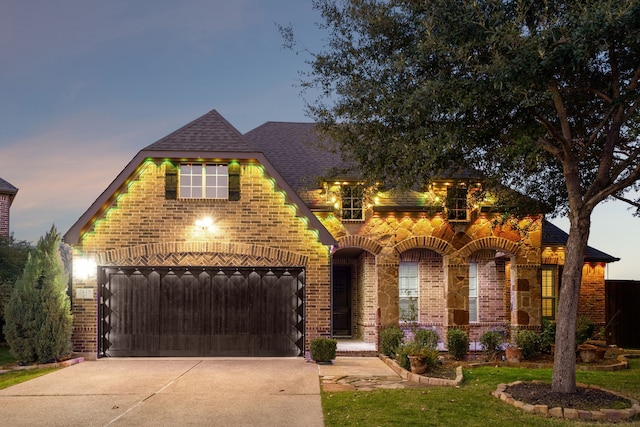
(469, 405)
(16, 377)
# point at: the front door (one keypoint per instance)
(341, 300)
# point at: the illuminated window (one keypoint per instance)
(408, 285)
(473, 292)
(549, 292)
(352, 204)
(204, 181)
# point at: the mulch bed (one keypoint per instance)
(588, 399)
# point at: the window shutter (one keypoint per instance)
(171, 183)
(234, 181)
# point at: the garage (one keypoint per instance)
(201, 311)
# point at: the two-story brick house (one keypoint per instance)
(7, 194)
(210, 242)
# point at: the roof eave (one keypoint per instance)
(72, 236)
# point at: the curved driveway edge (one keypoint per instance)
(189, 391)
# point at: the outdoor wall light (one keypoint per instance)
(84, 268)
(206, 224)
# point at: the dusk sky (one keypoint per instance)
(86, 84)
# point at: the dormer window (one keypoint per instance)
(457, 204)
(352, 202)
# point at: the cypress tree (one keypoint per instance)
(38, 316)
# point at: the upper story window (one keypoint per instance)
(204, 181)
(352, 202)
(457, 204)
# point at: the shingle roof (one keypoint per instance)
(554, 236)
(209, 132)
(6, 188)
(296, 150)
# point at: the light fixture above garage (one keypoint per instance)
(206, 224)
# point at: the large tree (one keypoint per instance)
(538, 95)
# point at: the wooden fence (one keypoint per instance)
(623, 313)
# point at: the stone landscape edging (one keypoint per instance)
(422, 379)
(569, 413)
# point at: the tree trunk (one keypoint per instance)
(564, 362)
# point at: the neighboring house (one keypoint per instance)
(210, 242)
(7, 194)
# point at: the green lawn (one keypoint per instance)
(16, 377)
(469, 405)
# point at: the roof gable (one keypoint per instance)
(209, 132)
(7, 188)
(209, 136)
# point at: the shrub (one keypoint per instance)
(547, 336)
(584, 329)
(38, 315)
(427, 337)
(323, 349)
(529, 342)
(457, 343)
(491, 342)
(390, 340)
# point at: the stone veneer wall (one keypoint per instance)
(389, 236)
(144, 228)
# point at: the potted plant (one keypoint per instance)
(323, 350)
(420, 356)
(513, 353)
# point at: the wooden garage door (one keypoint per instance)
(200, 311)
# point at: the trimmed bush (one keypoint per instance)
(547, 336)
(323, 349)
(390, 340)
(529, 342)
(584, 329)
(457, 343)
(491, 342)
(427, 337)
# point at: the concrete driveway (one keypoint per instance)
(169, 392)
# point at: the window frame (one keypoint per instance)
(473, 293)
(549, 272)
(351, 201)
(206, 181)
(408, 274)
(458, 205)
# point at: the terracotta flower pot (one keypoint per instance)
(513, 354)
(418, 364)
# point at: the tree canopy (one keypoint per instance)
(538, 95)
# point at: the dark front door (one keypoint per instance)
(341, 300)
(201, 311)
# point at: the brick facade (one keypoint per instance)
(274, 223)
(143, 228)
(5, 205)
